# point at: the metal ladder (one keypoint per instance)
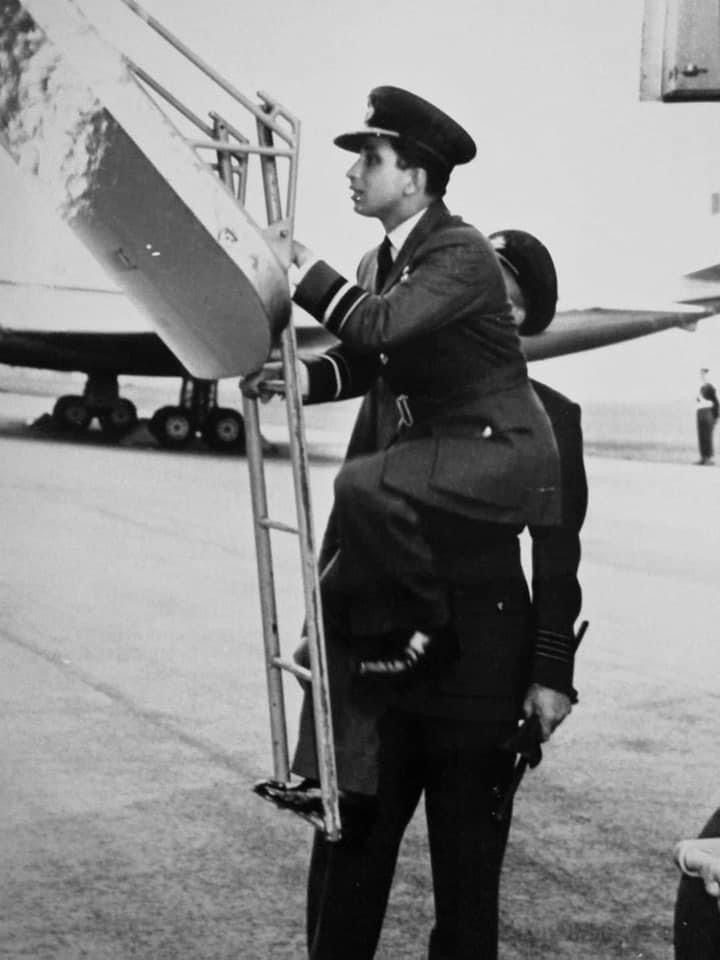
(231, 150)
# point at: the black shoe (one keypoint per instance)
(305, 800)
(420, 651)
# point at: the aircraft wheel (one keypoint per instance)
(171, 428)
(71, 414)
(120, 420)
(224, 430)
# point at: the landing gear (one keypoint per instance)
(224, 430)
(71, 414)
(171, 427)
(74, 414)
(119, 420)
(174, 427)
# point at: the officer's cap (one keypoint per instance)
(531, 264)
(394, 113)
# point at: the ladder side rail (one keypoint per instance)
(322, 707)
(267, 112)
(205, 68)
(277, 109)
(322, 712)
(268, 596)
(170, 98)
(263, 552)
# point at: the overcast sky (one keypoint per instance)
(620, 190)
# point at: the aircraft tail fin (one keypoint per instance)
(706, 274)
(702, 287)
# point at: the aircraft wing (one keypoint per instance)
(142, 354)
(145, 354)
(573, 331)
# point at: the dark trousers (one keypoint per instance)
(356, 707)
(489, 601)
(697, 917)
(385, 567)
(349, 881)
(705, 425)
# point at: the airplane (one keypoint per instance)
(103, 356)
(165, 214)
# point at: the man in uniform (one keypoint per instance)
(437, 327)
(441, 736)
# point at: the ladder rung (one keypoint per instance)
(277, 525)
(301, 672)
(225, 146)
(275, 386)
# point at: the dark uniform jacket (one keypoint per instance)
(478, 443)
(505, 641)
(557, 597)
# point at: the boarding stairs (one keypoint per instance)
(182, 245)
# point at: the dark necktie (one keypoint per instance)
(384, 264)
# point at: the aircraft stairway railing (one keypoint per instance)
(232, 150)
(232, 154)
(161, 196)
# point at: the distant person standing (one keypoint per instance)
(707, 410)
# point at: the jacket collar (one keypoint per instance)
(402, 231)
(436, 215)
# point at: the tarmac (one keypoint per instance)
(135, 718)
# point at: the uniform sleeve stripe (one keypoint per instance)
(344, 371)
(554, 647)
(350, 298)
(336, 372)
(324, 304)
(545, 632)
(338, 293)
(555, 640)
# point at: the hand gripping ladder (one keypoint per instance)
(231, 150)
